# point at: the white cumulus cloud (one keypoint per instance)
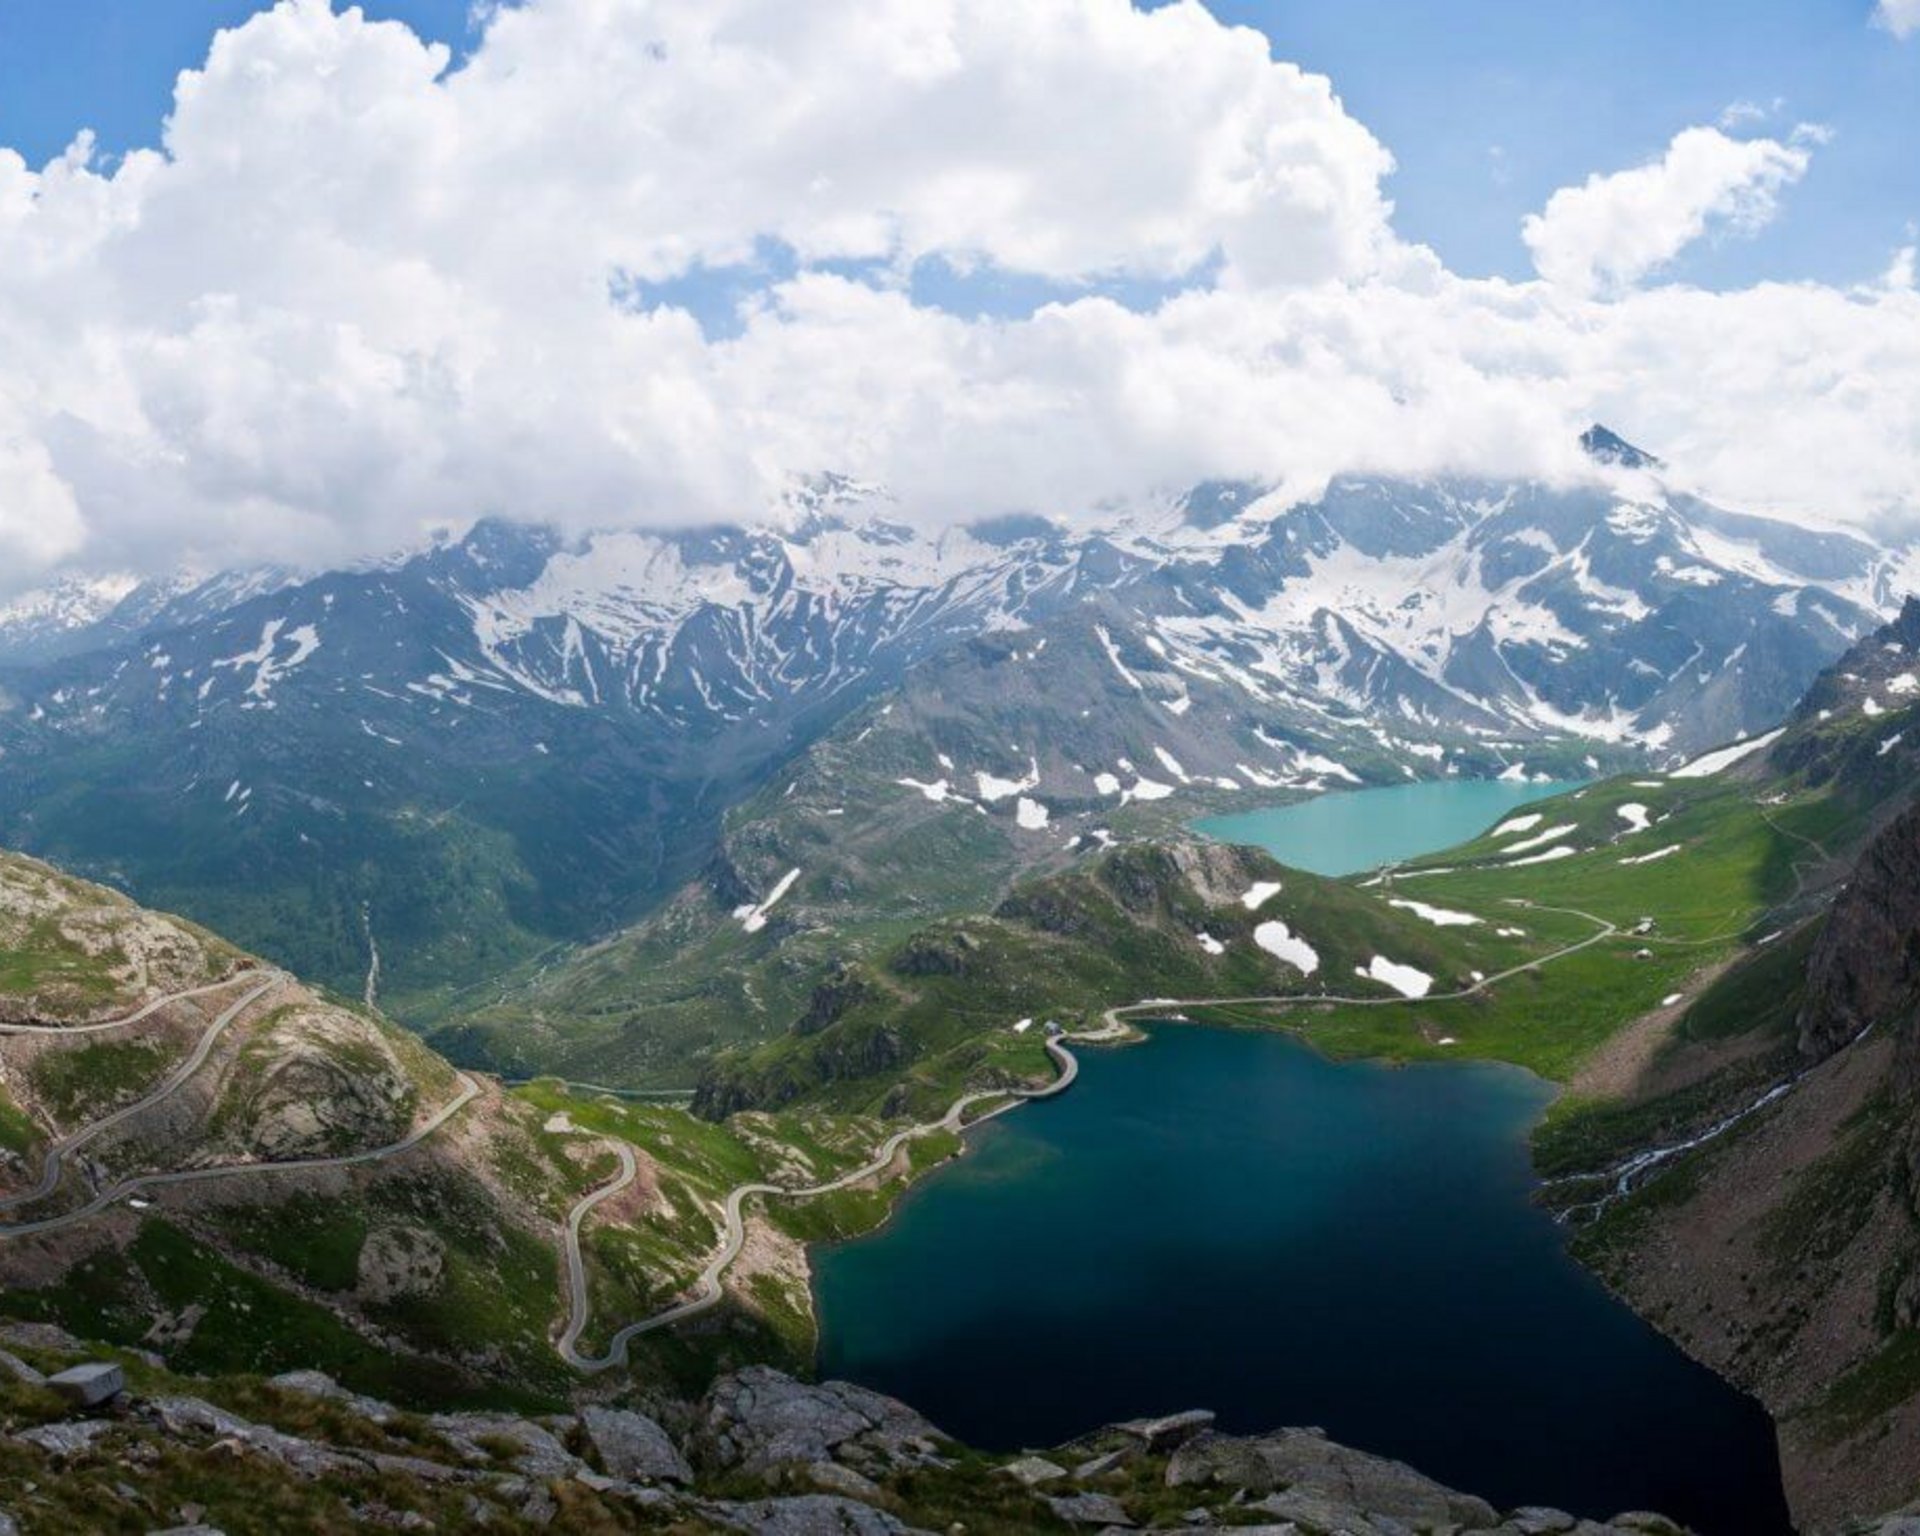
(1616, 229)
(1900, 17)
(358, 292)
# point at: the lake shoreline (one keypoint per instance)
(1039, 1200)
(1062, 1192)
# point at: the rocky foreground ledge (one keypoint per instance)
(120, 1445)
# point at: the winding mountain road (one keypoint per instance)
(469, 1090)
(175, 1080)
(147, 1011)
(1797, 867)
(707, 1289)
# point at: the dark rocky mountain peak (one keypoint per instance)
(1609, 447)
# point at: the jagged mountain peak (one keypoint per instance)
(1609, 447)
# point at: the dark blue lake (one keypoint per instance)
(1226, 1220)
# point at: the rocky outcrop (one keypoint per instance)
(936, 953)
(399, 1261)
(874, 1049)
(320, 1082)
(760, 1420)
(815, 1514)
(761, 1455)
(1314, 1473)
(633, 1448)
(843, 990)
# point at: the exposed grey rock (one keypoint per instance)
(418, 1467)
(633, 1448)
(19, 1370)
(1091, 1509)
(172, 1329)
(1100, 1466)
(811, 1514)
(399, 1261)
(1317, 1512)
(540, 1454)
(1308, 1465)
(654, 1500)
(320, 1384)
(759, 1419)
(192, 1415)
(90, 1384)
(65, 1439)
(41, 1336)
(1534, 1521)
(1639, 1520)
(1286, 1529)
(1031, 1471)
(539, 1507)
(376, 1516)
(831, 1477)
(1174, 1429)
(1220, 1461)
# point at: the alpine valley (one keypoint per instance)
(442, 1001)
(466, 757)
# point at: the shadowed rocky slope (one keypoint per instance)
(759, 1453)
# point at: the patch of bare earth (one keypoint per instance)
(766, 1251)
(1648, 1059)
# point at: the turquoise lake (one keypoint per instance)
(1225, 1219)
(1348, 831)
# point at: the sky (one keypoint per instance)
(359, 273)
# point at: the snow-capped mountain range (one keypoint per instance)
(565, 720)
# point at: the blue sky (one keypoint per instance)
(1488, 106)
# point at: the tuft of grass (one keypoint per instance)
(83, 1081)
(18, 1132)
(1876, 1386)
(315, 1239)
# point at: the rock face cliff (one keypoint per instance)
(1786, 1254)
(1865, 971)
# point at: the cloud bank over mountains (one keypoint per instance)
(359, 293)
(1900, 17)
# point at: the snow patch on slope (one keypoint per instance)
(1407, 980)
(1259, 894)
(1280, 941)
(1440, 917)
(753, 918)
(1725, 757)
